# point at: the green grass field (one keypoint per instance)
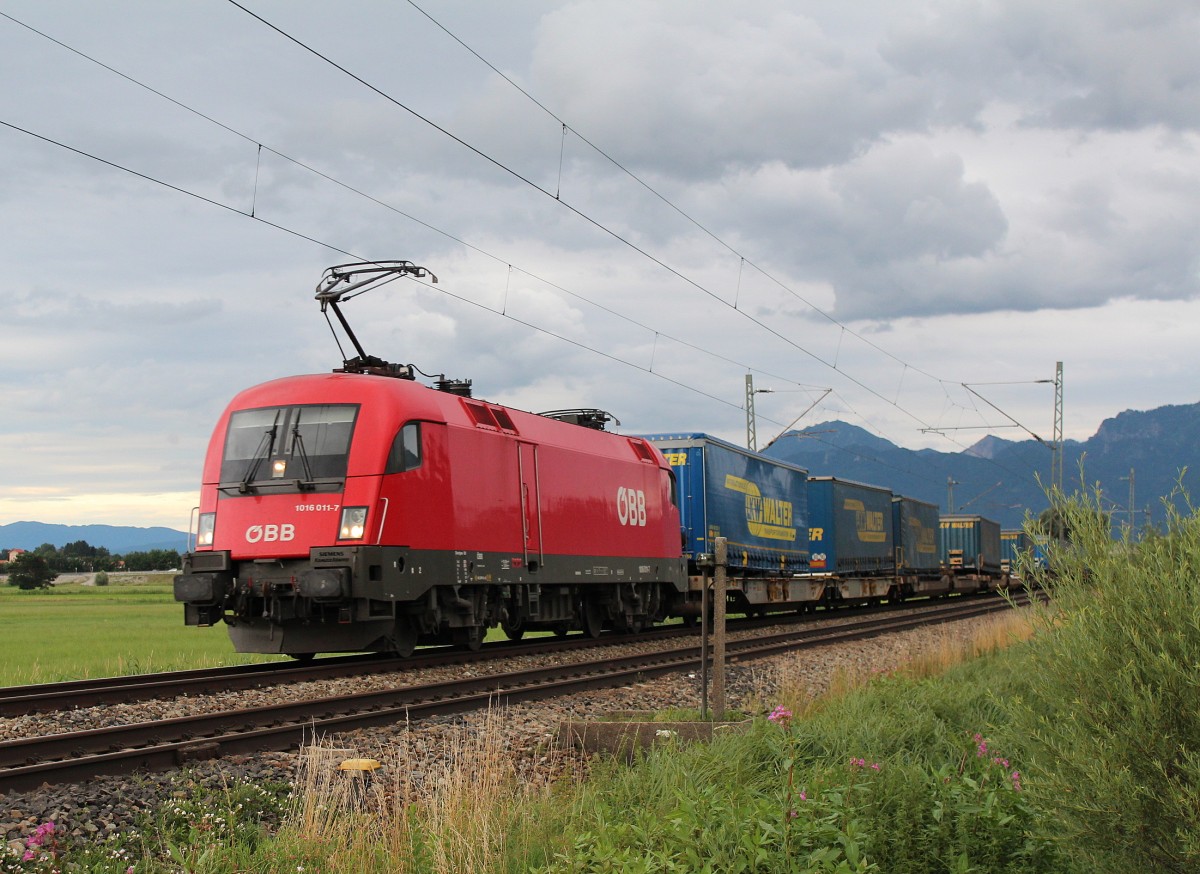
(131, 626)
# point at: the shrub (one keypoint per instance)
(1111, 718)
(101, 579)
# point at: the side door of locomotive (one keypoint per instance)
(531, 512)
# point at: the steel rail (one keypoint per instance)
(28, 762)
(72, 694)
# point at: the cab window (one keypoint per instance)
(406, 449)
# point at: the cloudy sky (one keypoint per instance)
(628, 205)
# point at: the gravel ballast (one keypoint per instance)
(91, 812)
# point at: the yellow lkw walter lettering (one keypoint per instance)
(926, 537)
(765, 517)
(869, 523)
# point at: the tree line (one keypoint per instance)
(39, 567)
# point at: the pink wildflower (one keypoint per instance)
(803, 795)
(780, 714)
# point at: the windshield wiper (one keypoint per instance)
(268, 443)
(298, 445)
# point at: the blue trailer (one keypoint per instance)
(970, 547)
(851, 529)
(1014, 543)
(759, 504)
(915, 529)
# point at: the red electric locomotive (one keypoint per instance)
(362, 511)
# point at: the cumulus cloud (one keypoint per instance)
(1083, 65)
(925, 174)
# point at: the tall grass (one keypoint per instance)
(903, 772)
(791, 683)
(466, 812)
(885, 774)
(1113, 715)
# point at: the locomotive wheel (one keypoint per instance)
(593, 618)
(470, 637)
(404, 638)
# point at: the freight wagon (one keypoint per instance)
(1017, 546)
(759, 504)
(851, 537)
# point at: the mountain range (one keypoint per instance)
(117, 539)
(998, 478)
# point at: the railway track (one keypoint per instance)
(70, 757)
(54, 697)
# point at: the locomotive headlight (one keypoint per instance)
(278, 468)
(204, 531)
(354, 523)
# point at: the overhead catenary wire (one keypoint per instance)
(260, 147)
(582, 215)
(742, 260)
(495, 162)
(440, 290)
(672, 205)
(655, 332)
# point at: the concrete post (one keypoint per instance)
(704, 644)
(719, 584)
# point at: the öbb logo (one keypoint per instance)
(631, 506)
(270, 533)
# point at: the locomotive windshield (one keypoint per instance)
(288, 445)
